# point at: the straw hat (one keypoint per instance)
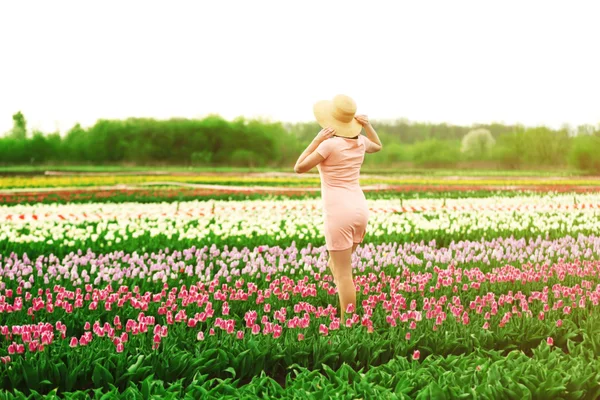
(339, 115)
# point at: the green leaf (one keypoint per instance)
(135, 366)
(231, 371)
(146, 387)
(432, 391)
(31, 375)
(101, 376)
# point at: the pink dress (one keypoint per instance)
(345, 208)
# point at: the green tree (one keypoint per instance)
(19, 130)
(585, 153)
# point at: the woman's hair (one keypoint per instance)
(355, 137)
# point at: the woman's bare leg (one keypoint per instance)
(332, 267)
(342, 261)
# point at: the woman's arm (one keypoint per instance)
(371, 134)
(310, 158)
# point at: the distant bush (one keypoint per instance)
(477, 144)
(585, 154)
(510, 151)
(435, 153)
(246, 158)
(201, 158)
(393, 153)
(545, 147)
(533, 147)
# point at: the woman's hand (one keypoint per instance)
(362, 119)
(325, 134)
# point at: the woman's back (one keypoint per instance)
(343, 158)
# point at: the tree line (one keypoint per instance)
(214, 141)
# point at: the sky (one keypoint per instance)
(459, 62)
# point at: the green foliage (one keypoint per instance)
(510, 151)
(212, 140)
(545, 147)
(216, 142)
(546, 373)
(201, 157)
(535, 147)
(585, 153)
(435, 153)
(244, 158)
(19, 130)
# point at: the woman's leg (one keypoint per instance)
(342, 261)
(332, 267)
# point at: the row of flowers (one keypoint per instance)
(195, 209)
(159, 194)
(7, 182)
(284, 221)
(411, 303)
(423, 261)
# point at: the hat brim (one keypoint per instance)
(323, 111)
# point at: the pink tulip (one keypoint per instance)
(416, 355)
(323, 330)
(277, 331)
(200, 335)
(240, 334)
(73, 342)
(300, 337)
(550, 341)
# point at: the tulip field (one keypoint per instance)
(483, 295)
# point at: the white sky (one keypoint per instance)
(462, 62)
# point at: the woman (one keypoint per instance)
(338, 152)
